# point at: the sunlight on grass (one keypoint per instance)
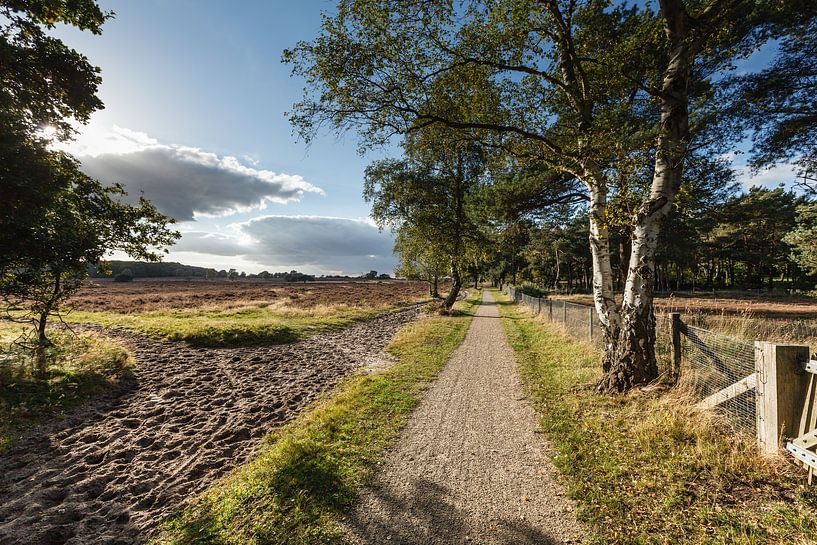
(648, 468)
(79, 367)
(247, 325)
(294, 491)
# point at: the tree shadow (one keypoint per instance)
(427, 514)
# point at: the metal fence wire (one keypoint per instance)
(711, 361)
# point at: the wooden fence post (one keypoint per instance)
(676, 345)
(590, 323)
(564, 312)
(782, 387)
(550, 309)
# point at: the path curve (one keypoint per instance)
(112, 470)
(470, 466)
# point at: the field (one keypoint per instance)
(237, 313)
(209, 368)
(748, 316)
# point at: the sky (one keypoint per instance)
(195, 99)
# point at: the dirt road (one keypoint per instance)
(470, 467)
(110, 472)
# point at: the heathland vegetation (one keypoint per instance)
(568, 146)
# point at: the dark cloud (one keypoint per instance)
(310, 243)
(184, 181)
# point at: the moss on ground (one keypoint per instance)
(647, 468)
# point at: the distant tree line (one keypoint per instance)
(762, 239)
(124, 271)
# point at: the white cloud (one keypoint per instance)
(769, 177)
(183, 182)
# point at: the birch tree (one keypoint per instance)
(574, 87)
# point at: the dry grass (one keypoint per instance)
(782, 319)
(238, 313)
(79, 368)
(648, 468)
(164, 295)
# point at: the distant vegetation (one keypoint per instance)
(124, 271)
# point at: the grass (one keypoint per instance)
(79, 368)
(310, 470)
(647, 468)
(275, 323)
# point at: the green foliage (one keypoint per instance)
(55, 221)
(296, 489)
(125, 276)
(778, 103)
(83, 222)
(647, 469)
(803, 238)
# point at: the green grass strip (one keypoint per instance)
(647, 468)
(310, 470)
(245, 326)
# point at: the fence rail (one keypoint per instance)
(708, 362)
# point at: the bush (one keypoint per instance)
(532, 290)
(125, 276)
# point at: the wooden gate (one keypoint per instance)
(803, 447)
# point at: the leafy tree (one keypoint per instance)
(232, 275)
(125, 276)
(84, 222)
(371, 275)
(429, 195)
(577, 88)
(779, 103)
(803, 238)
(45, 86)
(419, 258)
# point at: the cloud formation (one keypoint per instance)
(315, 244)
(184, 182)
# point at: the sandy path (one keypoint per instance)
(470, 467)
(111, 471)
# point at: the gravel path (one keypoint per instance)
(111, 471)
(470, 467)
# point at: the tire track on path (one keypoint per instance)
(470, 466)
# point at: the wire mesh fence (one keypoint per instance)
(713, 363)
(710, 362)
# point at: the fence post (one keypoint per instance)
(676, 345)
(550, 309)
(564, 312)
(539, 310)
(781, 392)
(590, 322)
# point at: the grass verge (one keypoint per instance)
(311, 469)
(264, 324)
(647, 468)
(79, 368)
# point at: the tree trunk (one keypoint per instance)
(633, 362)
(456, 283)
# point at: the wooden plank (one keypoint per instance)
(781, 392)
(807, 441)
(805, 456)
(730, 392)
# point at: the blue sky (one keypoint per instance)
(195, 89)
(206, 75)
